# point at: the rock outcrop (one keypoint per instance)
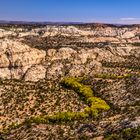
(35, 73)
(20, 61)
(70, 62)
(16, 58)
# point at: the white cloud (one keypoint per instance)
(129, 19)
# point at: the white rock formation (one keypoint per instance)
(16, 58)
(128, 34)
(35, 73)
(4, 33)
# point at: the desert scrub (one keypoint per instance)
(112, 76)
(126, 134)
(74, 84)
(126, 65)
(67, 117)
(96, 105)
(57, 118)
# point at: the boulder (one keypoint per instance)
(35, 73)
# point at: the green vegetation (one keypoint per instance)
(85, 91)
(95, 104)
(82, 90)
(57, 118)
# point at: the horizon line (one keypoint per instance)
(73, 22)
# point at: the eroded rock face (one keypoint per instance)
(128, 35)
(62, 53)
(16, 58)
(69, 62)
(35, 73)
(95, 33)
(20, 61)
(4, 33)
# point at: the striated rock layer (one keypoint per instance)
(16, 58)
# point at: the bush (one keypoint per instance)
(84, 90)
(62, 117)
(81, 89)
(93, 112)
(98, 103)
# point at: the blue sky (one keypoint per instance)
(110, 11)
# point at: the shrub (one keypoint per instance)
(84, 90)
(62, 117)
(91, 111)
(98, 103)
(81, 89)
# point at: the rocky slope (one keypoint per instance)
(34, 61)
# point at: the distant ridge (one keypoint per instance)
(5, 22)
(35, 22)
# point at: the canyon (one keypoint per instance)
(34, 59)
